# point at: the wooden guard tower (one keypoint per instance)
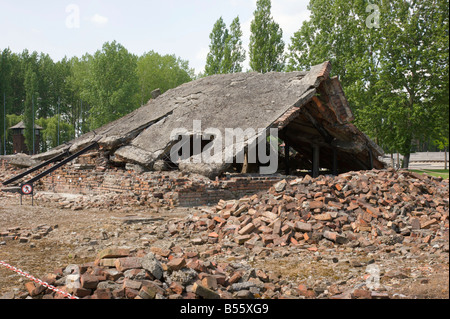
(19, 145)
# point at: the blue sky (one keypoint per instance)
(75, 27)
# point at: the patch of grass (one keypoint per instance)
(435, 287)
(444, 173)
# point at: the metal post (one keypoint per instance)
(315, 161)
(81, 118)
(59, 101)
(445, 157)
(32, 111)
(4, 123)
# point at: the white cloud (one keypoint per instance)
(99, 20)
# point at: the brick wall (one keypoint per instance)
(226, 188)
(85, 176)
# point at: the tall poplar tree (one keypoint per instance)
(226, 53)
(234, 53)
(266, 40)
(31, 89)
(216, 53)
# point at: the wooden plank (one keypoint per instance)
(286, 157)
(315, 161)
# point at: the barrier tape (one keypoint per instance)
(38, 281)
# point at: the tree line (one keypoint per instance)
(76, 95)
(391, 58)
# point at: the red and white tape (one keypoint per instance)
(36, 280)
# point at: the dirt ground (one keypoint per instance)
(69, 242)
(78, 235)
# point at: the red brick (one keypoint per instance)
(102, 294)
(176, 264)
(316, 204)
(209, 282)
(427, 224)
(81, 292)
(361, 294)
(247, 229)
(304, 291)
(213, 235)
(235, 278)
(123, 264)
(89, 281)
(324, 217)
(242, 239)
(303, 227)
(30, 286)
(204, 292)
(176, 287)
(113, 253)
(131, 293)
(131, 284)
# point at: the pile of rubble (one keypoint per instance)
(119, 273)
(354, 209)
(104, 201)
(169, 272)
(25, 234)
(326, 236)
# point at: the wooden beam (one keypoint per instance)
(315, 161)
(370, 159)
(245, 164)
(334, 169)
(286, 157)
(322, 131)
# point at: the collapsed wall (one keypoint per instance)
(151, 189)
(133, 155)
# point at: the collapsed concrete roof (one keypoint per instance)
(309, 109)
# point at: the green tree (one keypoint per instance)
(31, 87)
(266, 40)
(113, 87)
(5, 90)
(49, 134)
(46, 86)
(234, 53)
(394, 73)
(15, 98)
(161, 71)
(413, 83)
(218, 36)
(226, 53)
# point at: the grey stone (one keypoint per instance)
(152, 265)
(245, 285)
(280, 186)
(184, 276)
(109, 285)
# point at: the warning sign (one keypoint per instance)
(27, 189)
